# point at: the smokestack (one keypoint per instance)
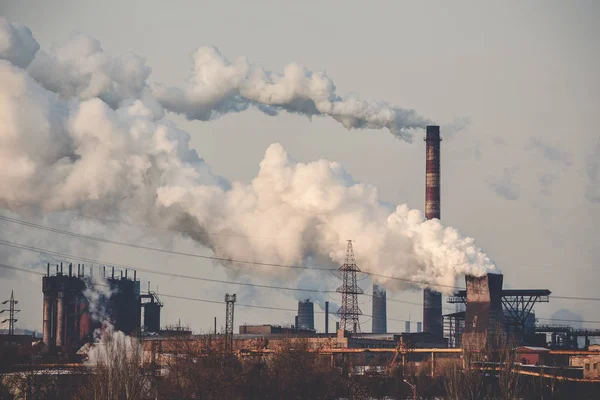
(326, 317)
(419, 327)
(432, 300)
(379, 322)
(407, 326)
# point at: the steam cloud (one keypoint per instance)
(217, 86)
(75, 129)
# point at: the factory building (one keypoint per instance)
(484, 316)
(68, 320)
(123, 307)
(379, 310)
(306, 315)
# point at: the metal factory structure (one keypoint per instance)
(484, 315)
(432, 300)
(306, 315)
(379, 310)
(69, 321)
(151, 305)
(67, 318)
(123, 307)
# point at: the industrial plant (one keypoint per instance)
(72, 320)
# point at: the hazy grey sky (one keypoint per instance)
(522, 178)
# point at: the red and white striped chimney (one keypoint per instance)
(432, 300)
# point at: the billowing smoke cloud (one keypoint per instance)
(17, 44)
(80, 68)
(217, 86)
(312, 209)
(60, 150)
(97, 292)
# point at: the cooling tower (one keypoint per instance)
(379, 310)
(306, 315)
(432, 300)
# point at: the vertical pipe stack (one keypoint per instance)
(432, 300)
(379, 310)
(60, 321)
(326, 317)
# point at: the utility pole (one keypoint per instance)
(349, 311)
(11, 313)
(229, 301)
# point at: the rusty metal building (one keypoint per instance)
(67, 320)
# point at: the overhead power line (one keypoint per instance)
(30, 271)
(256, 263)
(175, 275)
(213, 258)
(5, 266)
(150, 226)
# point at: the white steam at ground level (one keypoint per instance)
(96, 138)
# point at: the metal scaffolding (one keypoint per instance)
(517, 304)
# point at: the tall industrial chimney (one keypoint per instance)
(379, 310)
(432, 300)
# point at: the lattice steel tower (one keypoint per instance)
(11, 313)
(349, 311)
(229, 301)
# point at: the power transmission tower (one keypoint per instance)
(349, 311)
(11, 313)
(230, 301)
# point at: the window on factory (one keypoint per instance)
(587, 367)
(595, 365)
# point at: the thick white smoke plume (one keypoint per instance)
(217, 86)
(104, 146)
(97, 292)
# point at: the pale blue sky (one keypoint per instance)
(516, 178)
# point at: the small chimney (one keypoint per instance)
(326, 317)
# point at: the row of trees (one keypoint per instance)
(120, 370)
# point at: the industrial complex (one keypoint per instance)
(71, 319)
